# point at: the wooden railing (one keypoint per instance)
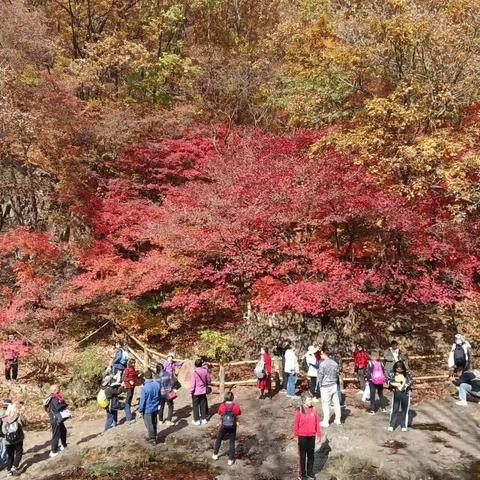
(148, 356)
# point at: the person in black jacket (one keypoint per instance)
(400, 381)
(113, 392)
(54, 404)
(467, 383)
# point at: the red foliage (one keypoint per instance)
(212, 223)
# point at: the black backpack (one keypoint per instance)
(305, 365)
(229, 419)
(14, 433)
(459, 357)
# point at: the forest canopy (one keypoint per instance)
(169, 163)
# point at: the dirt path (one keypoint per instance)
(442, 443)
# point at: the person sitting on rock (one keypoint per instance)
(467, 383)
(228, 412)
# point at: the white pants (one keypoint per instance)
(330, 394)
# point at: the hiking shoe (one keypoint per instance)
(231, 462)
(324, 425)
(204, 421)
(371, 412)
(462, 403)
(63, 448)
(404, 429)
(215, 456)
(196, 422)
(337, 422)
(390, 429)
(384, 410)
(53, 454)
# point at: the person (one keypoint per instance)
(328, 384)
(54, 404)
(114, 393)
(229, 412)
(460, 354)
(11, 356)
(167, 395)
(291, 369)
(280, 352)
(376, 379)
(129, 383)
(306, 428)
(265, 383)
(312, 370)
(12, 427)
(3, 449)
(360, 358)
(120, 359)
(400, 381)
(392, 355)
(148, 406)
(170, 365)
(467, 383)
(200, 382)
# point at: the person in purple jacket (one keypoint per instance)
(199, 389)
(169, 365)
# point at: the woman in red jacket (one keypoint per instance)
(306, 427)
(129, 382)
(265, 383)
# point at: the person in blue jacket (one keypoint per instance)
(148, 407)
(120, 360)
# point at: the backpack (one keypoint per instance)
(124, 357)
(229, 419)
(305, 365)
(459, 357)
(14, 433)
(260, 369)
(102, 399)
(378, 376)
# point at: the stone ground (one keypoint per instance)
(442, 443)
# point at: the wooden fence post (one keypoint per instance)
(146, 356)
(222, 380)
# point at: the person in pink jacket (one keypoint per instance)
(200, 387)
(306, 428)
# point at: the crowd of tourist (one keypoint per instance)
(320, 366)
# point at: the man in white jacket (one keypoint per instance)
(291, 369)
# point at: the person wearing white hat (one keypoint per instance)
(311, 362)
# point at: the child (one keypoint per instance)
(228, 411)
(306, 428)
(400, 381)
(376, 379)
